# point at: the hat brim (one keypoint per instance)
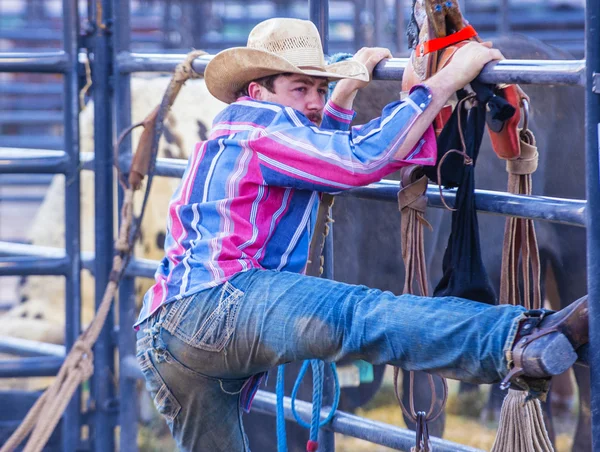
(231, 69)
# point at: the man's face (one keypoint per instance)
(301, 92)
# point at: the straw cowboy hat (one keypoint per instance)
(275, 46)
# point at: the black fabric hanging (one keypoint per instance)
(464, 273)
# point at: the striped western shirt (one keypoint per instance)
(249, 195)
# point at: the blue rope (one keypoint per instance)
(318, 368)
(318, 374)
(281, 436)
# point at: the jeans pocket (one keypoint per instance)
(207, 321)
(217, 328)
(164, 401)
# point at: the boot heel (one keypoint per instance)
(547, 355)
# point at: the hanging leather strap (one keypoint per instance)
(412, 202)
(520, 242)
(314, 266)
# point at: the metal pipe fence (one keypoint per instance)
(540, 72)
(592, 125)
(113, 63)
(63, 62)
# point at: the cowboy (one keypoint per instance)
(231, 300)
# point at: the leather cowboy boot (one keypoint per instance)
(546, 343)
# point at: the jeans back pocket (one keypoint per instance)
(164, 401)
(203, 325)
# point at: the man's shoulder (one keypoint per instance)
(246, 109)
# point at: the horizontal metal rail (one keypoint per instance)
(28, 34)
(21, 198)
(25, 179)
(28, 348)
(31, 102)
(31, 117)
(44, 142)
(24, 249)
(27, 88)
(344, 423)
(40, 62)
(39, 366)
(33, 265)
(144, 268)
(531, 72)
(535, 72)
(21, 160)
(355, 426)
(557, 210)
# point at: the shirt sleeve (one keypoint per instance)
(294, 153)
(336, 117)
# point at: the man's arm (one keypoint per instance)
(345, 90)
(307, 157)
(466, 64)
(310, 158)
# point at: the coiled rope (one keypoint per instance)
(318, 370)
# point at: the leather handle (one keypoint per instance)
(141, 159)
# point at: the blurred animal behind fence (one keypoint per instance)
(40, 316)
(367, 246)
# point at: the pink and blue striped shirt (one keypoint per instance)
(249, 195)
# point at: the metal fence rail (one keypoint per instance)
(509, 71)
(63, 62)
(592, 125)
(534, 72)
(37, 62)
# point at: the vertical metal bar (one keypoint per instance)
(127, 386)
(592, 124)
(378, 21)
(358, 27)
(318, 13)
(72, 416)
(503, 24)
(102, 428)
(167, 25)
(399, 19)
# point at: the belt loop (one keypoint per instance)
(156, 331)
(171, 314)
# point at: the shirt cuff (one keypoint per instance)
(421, 96)
(341, 114)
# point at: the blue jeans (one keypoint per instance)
(198, 353)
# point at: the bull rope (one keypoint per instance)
(44, 415)
(521, 427)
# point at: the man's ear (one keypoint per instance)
(255, 91)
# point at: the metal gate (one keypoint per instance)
(112, 63)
